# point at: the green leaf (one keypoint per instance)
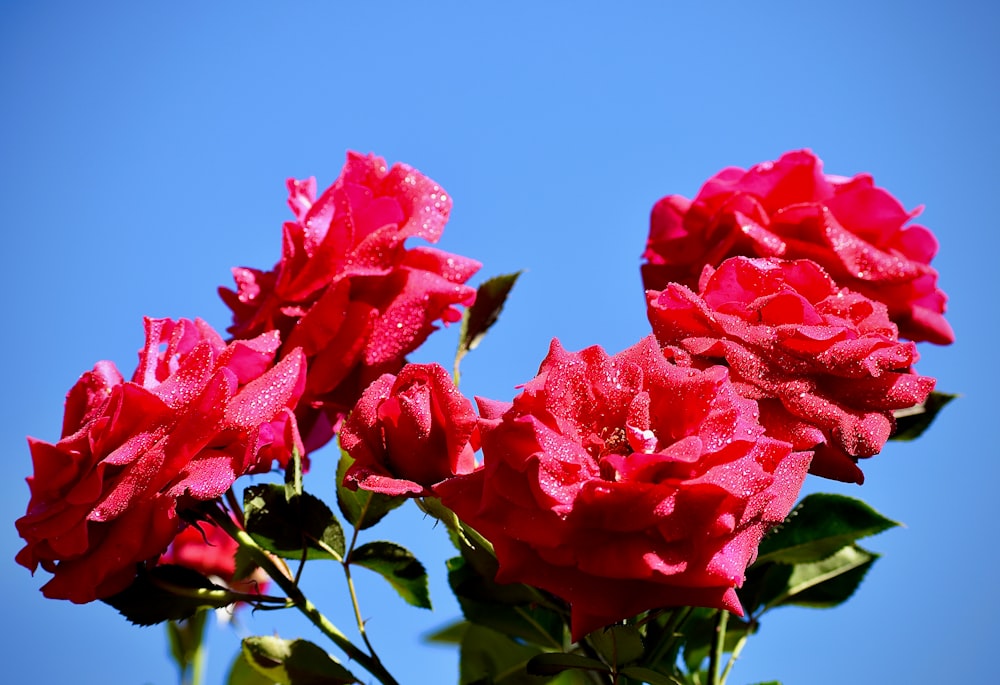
(361, 508)
(511, 609)
(552, 663)
(912, 422)
(491, 657)
(293, 662)
(398, 566)
(475, 549)
(646, 675)
(618, 644)
(242, 673)
(833, 579)
(819, 526)
(824, 583)
(168, 593)
(473, 576)
(186, 640)
(450, 634)
(286, 526)
(477, 319)
(834, 591)
(245, 562)
(432, 506)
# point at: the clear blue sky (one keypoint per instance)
(143, 152)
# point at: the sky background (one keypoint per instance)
(143, 152)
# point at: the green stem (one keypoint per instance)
(187, 645)
(263, 559)
(670, 634)
(357, 610)
(346, 563)
(718, 645)
(198, 664)
(220, 597)
(737, 650)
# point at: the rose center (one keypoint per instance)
(611, 440)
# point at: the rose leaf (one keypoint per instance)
(168, 593)
(242, 673)
(821, 584)
(398, 566)
(293, 662)
(484, 312)
(912, 422)
(286, 526)
(820, 525)
(361, 508)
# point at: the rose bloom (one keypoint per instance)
(197, 414)
(409, 432)
(791, 209)
(347, 290)
(824, 363)
(626, 483)
(208, 549)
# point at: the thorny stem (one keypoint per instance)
(357, 610)
(221, 596)
(346, 563)
(263, 559)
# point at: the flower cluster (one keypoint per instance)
(625, 482)
(617, 483)
(790, 209)
(197, 414)
(346, 302)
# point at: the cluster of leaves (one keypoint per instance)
(515, 635)
(286, 523)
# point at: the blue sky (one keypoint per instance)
(143, 152)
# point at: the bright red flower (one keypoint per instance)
(824, 363)
(347, 290)
(791, 209)
(409, 432)
(625, 483)
(197, 414)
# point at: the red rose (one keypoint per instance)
(824, 363)
(347, 290)
(195, 416)
(626, 483)
(209, 550)
(409, 432)
(791, 209)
